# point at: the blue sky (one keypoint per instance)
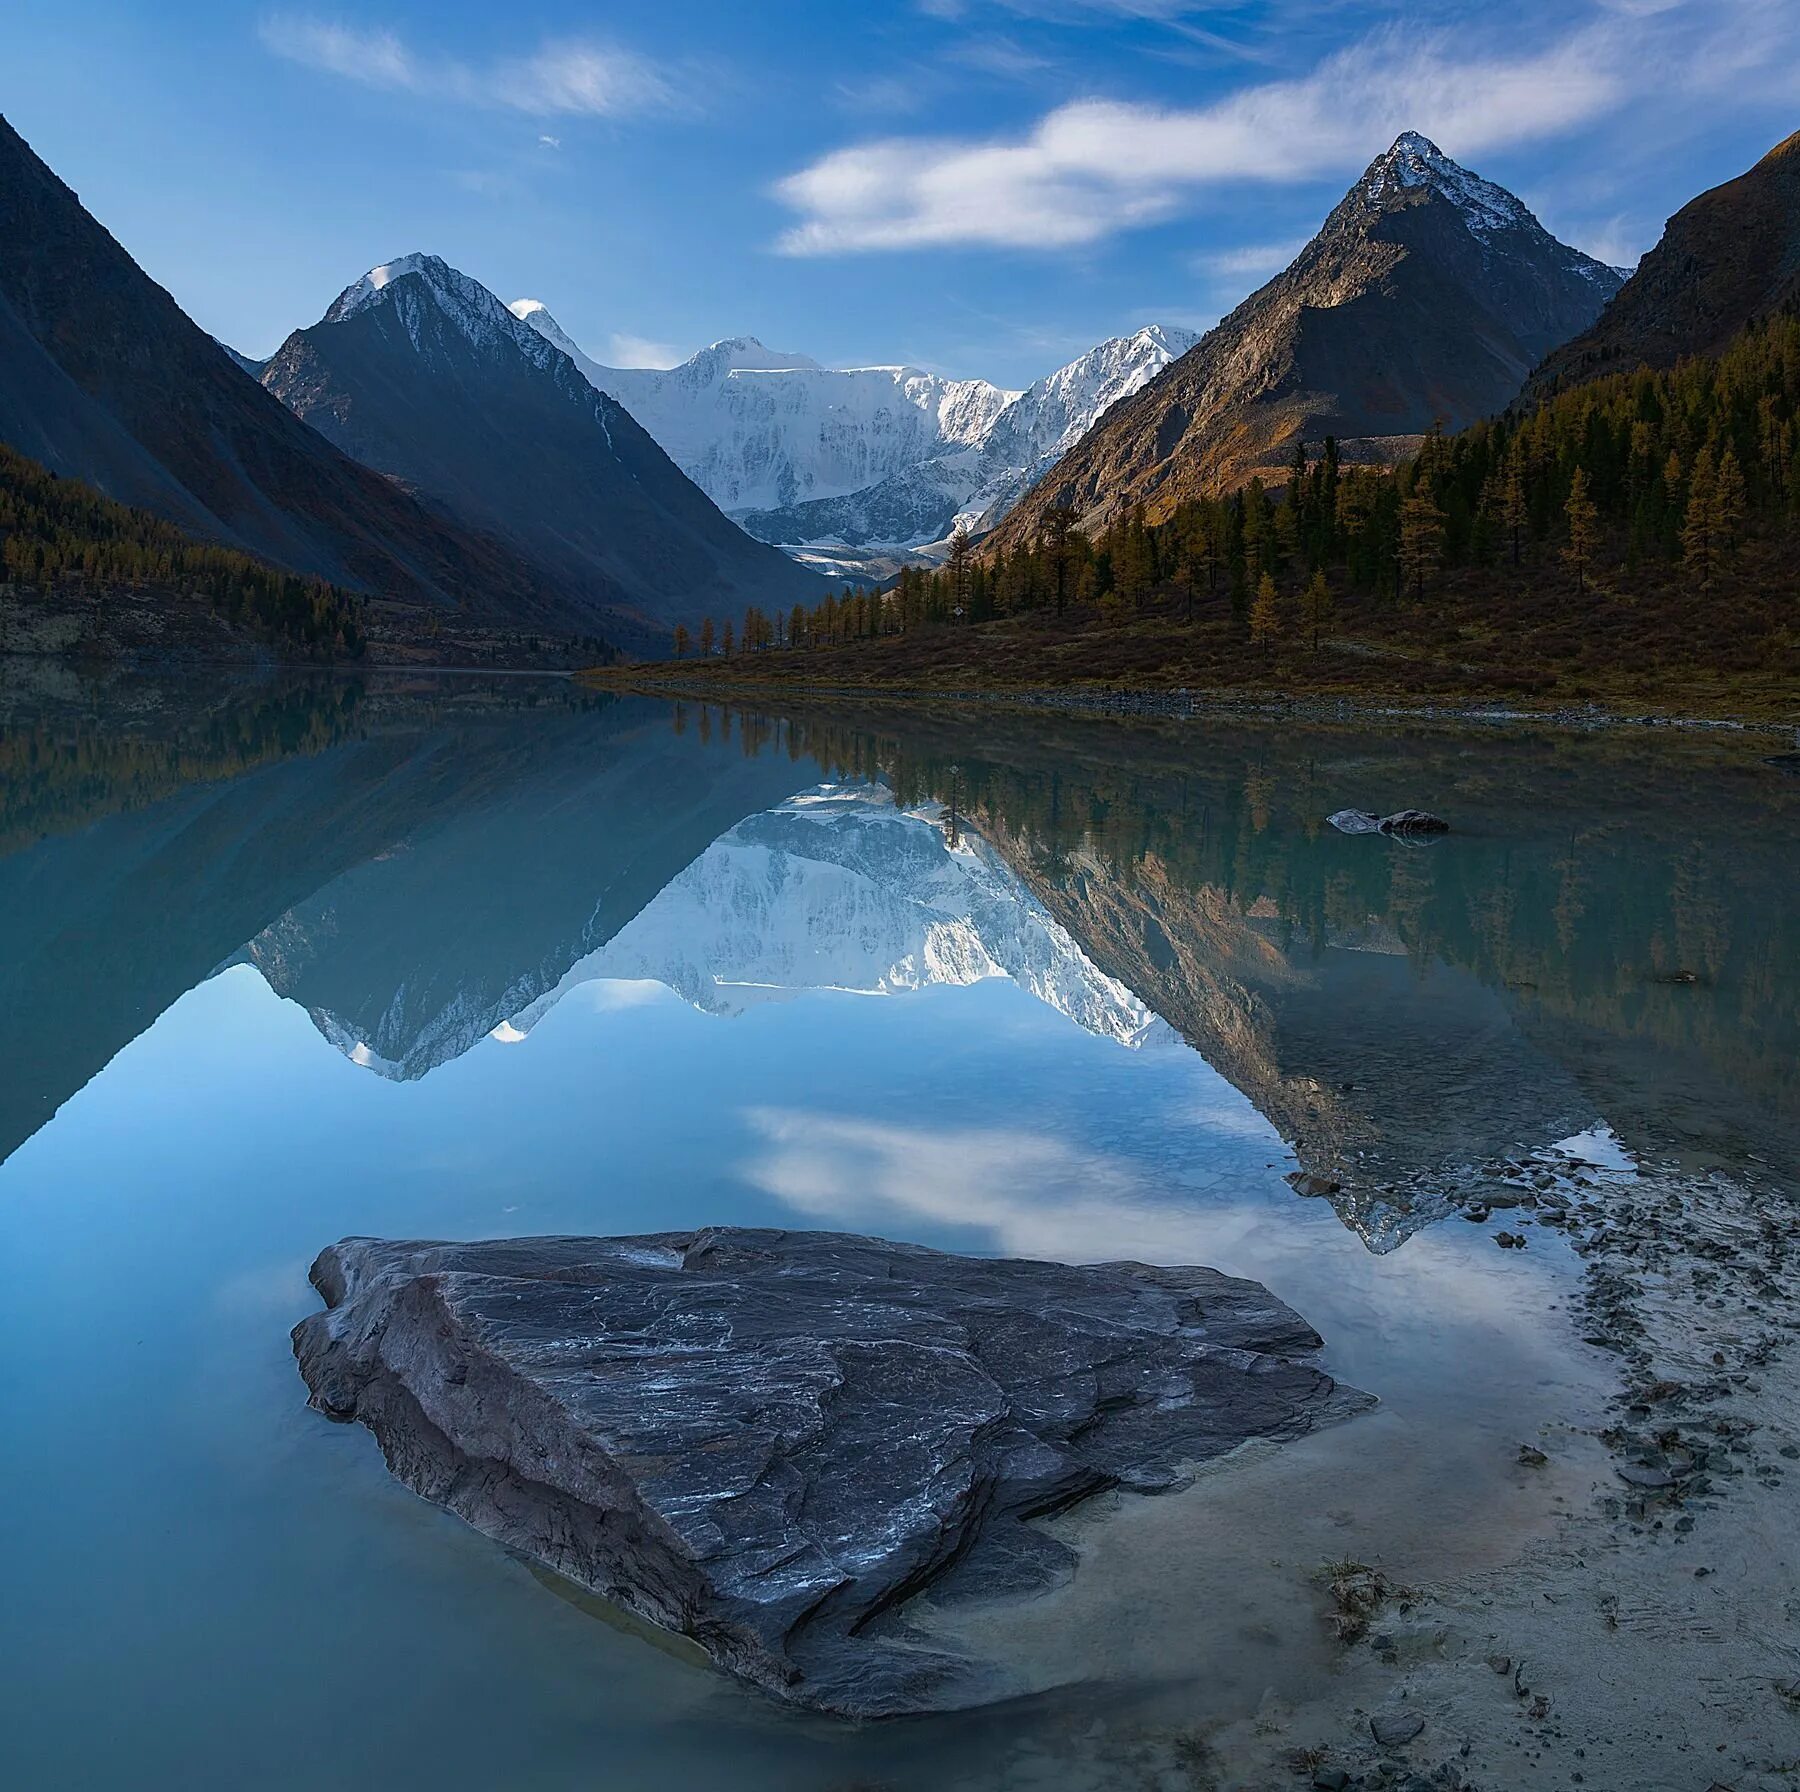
(978, 186)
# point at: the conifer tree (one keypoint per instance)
(1421, 540)
(1515, 512)
(1316, 607)
(1265, 614)
(1699, 524)
(681, 640)
(1584, 528)
(1728, 505)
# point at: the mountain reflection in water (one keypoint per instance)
(421, 869)
(464, 957)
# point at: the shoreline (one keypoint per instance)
(1184, 705)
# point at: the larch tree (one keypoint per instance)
(1583, 516)
(1699, 523)
(1421, 540)
(1265, 614)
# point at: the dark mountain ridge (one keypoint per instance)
(1726, 259)
(422, 374)
(104, 378)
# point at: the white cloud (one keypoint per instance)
(1089, 169)
(546, 141)
(1094, 167)
(1031, 1194)
(625, 350)
(572, 76)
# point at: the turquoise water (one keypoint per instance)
(279, 964)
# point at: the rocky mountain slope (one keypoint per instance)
(875, 459)
(102, 378)
(1428, 294)
(421, 373)
(1729, 256)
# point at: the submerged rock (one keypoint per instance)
(768, 1441)
(1402, 821)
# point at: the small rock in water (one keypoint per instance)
(1530, 1456)
(1510, 1241)
(1304, 1182)
(1640, 1474)
(1402, 821)
(1414, 821)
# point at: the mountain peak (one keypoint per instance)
(1414, 163)
(420, 285)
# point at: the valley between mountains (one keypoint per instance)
(1441, 456)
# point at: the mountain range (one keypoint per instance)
(427, 443)
(420, 373)
(851, 467)
(1428, 296)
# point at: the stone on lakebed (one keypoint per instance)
(768, 1441)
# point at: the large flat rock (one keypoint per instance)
(768, 1441)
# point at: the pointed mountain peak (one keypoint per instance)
(420, 286)
(1415, 164)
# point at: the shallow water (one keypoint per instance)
(281, 963)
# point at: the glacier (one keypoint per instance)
(857, 470)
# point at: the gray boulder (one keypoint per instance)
(768, 1441)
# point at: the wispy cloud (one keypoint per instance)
(1091, 168)
(1248, 261)
(1095, 167)
(574, 76)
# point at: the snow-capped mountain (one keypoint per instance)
(757, 429)
(877, 460)
(840, 888)
(420, 373)
(974, 487)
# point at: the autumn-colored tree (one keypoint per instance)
(1728, 505)
(1584, 528)
(726, 642)
(1700, 522)
(1515, 512)
(1421, 540)
(708, 637)
(1265, 614)
(682, 641)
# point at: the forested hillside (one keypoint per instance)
(1638, 533)
(57, 532)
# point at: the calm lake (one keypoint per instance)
(460, 958)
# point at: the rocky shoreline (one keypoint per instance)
(1653, 1643)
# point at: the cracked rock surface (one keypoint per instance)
(768, 1440)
